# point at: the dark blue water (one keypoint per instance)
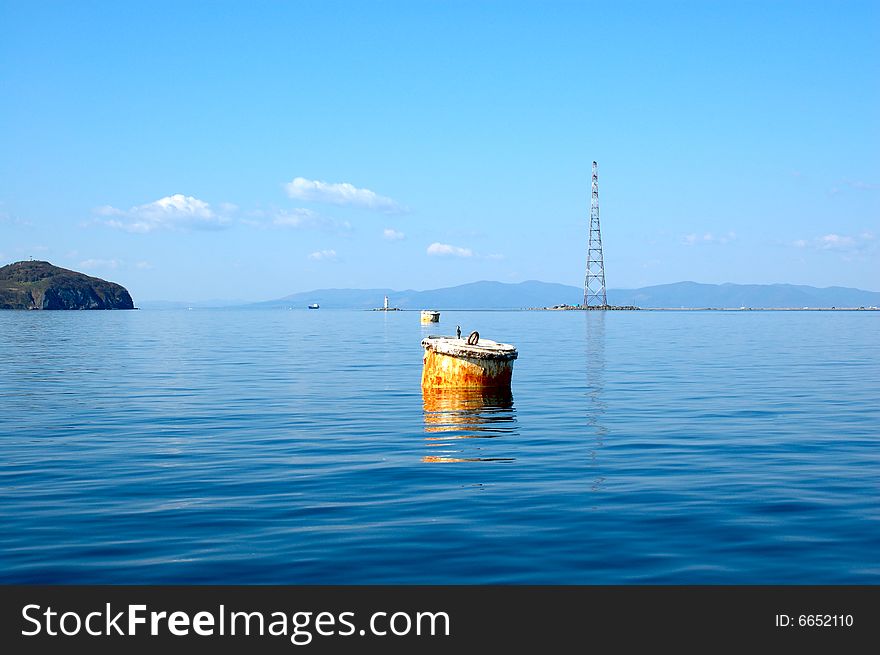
(296, 447)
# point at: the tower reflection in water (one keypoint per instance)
(596, 405)
(463, 425)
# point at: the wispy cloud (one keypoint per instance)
(100, 264)
(836, 242)
(31, 250)
(707, 237)
(6, 217)
(858, 185)
(112, 264)
(323, 255)
(446, 250)
(840, 242)
(171, 212)
(339, 193)
(391, 234)
(296, 218)
(302, 218)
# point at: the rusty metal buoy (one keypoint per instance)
(474, 363)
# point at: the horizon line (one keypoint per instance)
(240, 301)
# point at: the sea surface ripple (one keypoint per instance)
(274, 446)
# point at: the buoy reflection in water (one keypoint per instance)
(460, 423)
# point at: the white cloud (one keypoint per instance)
(295, 218)
(866, 186)
(858, 185)
(391, 234)
(108, 210)
(171, 212)
(708, 237)
(144, 266)
(5, 217)
(838, 242)
(323, 255)
(32, 249)
(307, 219)
(339, 193)
(100, 264)
(446, 250)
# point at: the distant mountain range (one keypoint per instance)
(692, 294)
(476, 295)
(499, 295)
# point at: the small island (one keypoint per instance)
(40, 285)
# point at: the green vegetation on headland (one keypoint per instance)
(40, 285)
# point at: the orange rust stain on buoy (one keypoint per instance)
(456, 364)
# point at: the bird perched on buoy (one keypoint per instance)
(458, 332)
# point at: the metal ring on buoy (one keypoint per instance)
(473, 338)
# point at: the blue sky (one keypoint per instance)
(249, 150)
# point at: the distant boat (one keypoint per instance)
(314, 305)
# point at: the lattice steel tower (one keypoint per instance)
(594, 284)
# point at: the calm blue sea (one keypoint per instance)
(295, 446)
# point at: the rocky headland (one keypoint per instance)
(40, 285)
